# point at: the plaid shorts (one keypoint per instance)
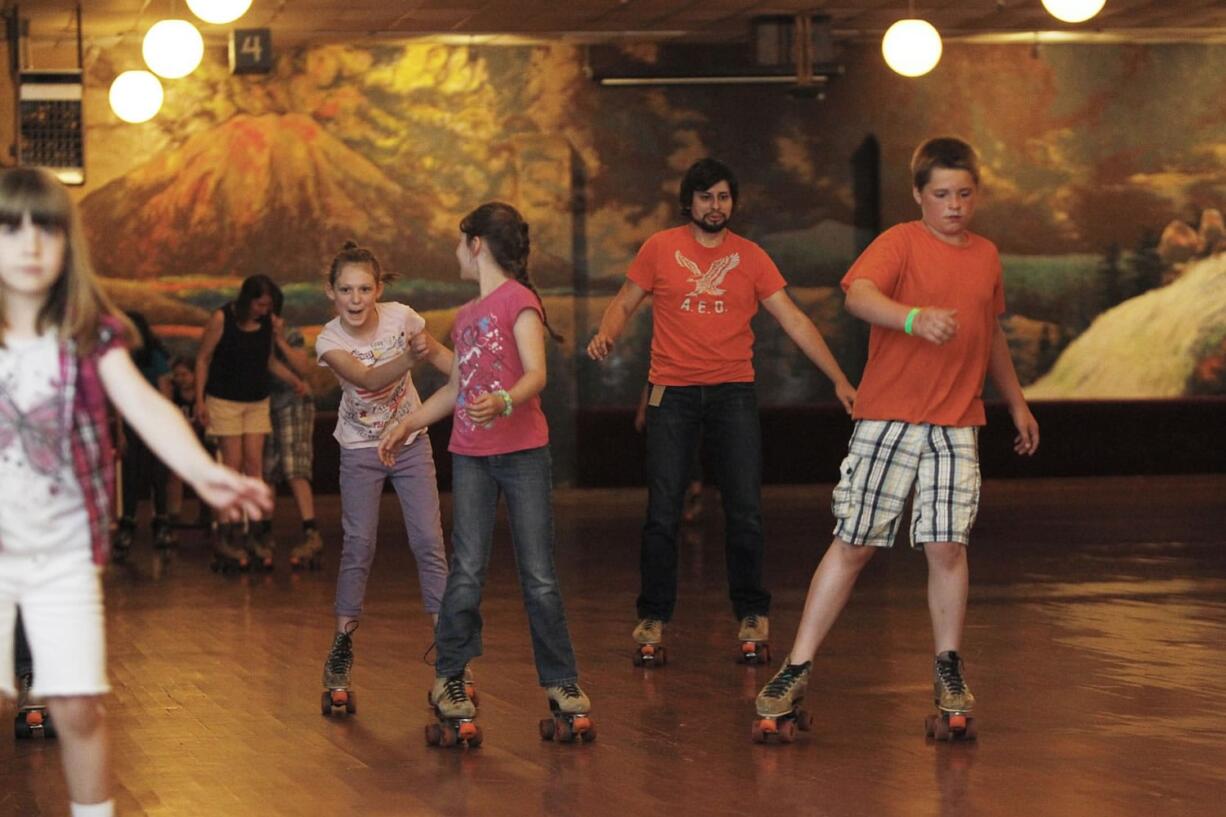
(886, 460)
(289, 451)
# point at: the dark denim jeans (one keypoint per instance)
(526, 479)
(724, 418)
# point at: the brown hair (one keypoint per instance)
(75, 303)
(506, 234)
(946, 152)
(351, 253)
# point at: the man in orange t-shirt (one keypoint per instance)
(706, 283)
(932, 291)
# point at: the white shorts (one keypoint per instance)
(61, 607)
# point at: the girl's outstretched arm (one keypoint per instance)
(371, 378)
(436, 407)
(163, 428)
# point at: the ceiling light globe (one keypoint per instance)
(219, 12)
(911, 47)
(1073, 11)
(136, 96)
(172, 48)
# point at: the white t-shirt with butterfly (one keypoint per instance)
(363, 414)
(42, 509)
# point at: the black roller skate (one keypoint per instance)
(456, 714)
(32, 717)
(778, 705)
(337, 694)
(571, 722)
(953, 719)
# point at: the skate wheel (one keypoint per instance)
(787, 731)
(757, 733)
(804, 721)
(351, 705)
(590, 734)
(929, 727)
(34, 718)
(957, 723)
(49, 729)
(434, 734)
(466, 731)
(764, 654)
(582, 726)
(661, 656)
(21, 729)
(748, 648)
(448, 738)
(564, 731)
(546, 727)
(940, 729)
(339, 698)
(972, 731)
(325, 703)
(476, 738)
(638, 659)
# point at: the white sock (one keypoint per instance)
(104, 809)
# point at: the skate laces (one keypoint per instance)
(454, 689)
(784, 680)
(340, 659)
(949, 670)
(750, 620)
(570, 690)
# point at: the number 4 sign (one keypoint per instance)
(250, 51)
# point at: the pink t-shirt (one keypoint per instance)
(488, 357)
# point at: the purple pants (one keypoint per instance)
(362, 477)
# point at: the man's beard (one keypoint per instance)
(710, 228)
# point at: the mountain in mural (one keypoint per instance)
(1153, 345)
(273, 194)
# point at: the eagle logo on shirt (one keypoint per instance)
(709, 282)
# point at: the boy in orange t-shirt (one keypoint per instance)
(932, 291)
(706, 283)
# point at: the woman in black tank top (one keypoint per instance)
(233, 368)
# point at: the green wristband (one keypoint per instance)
(506, 402)
(906, 327)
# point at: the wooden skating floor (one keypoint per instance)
(1096, 645)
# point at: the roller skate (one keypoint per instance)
(649, 634)
(778, 705)
(753, 635)
(261, 545)
(125, 535)
(337, 693)
(164, 538)
(226, 556)
(456, 714)
(954, 701)
(570, 722)
(32, 716)
(308, 553)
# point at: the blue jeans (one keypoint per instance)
(526, 479)
(724, 418)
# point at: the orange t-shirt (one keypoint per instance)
(906, 377)
(702, 301)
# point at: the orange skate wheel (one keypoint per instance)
(466, 731)
(339, 697)
(957, 723)
(34, 718)
(582, 725)
(647, 650)
(748, 647)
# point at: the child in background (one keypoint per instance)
(144, 475)
(499, 446)
(370, 347)
(932, 291)
(62, 355)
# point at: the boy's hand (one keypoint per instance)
(846, 394)
(1027, 440)
(233, 494)
(599, 346)
(485, 408)
(392, 439)
(935, 324)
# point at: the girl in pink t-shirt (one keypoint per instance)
(499, 444)
(370, 347)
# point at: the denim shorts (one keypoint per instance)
(889, 459)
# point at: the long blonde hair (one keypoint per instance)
(75, 304)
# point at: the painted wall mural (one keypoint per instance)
(1104, 181)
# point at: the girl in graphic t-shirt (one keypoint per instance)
(63, 354)
(499, 445)
(370, 347)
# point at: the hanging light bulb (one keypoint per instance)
(136, 96)
(1073, 11)
(911, 47)
(219, 11)
(173, 48)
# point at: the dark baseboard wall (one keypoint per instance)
(805, 444)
